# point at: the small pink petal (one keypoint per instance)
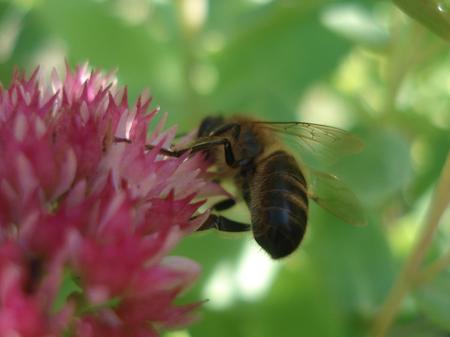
(25, 175)
(40, 127)
(189, 268)
(76, 195)
(20, 127)
(111, 210)
(67, 175)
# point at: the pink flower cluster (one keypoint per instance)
(86, 223)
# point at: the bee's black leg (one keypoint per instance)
(224, 204)
(201, 146)
(223, 224)
(235, 129)
(206, 145)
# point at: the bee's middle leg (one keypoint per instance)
(224, 204)
(224, 224)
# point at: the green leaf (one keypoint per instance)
(354, 264)
(271, 57)
(434, 300)
(434, 14)
(68, 287)
(356, 23)
(416, 327)
(296, 306)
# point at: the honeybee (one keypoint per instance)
(271, 180)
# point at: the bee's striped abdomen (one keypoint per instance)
(279, 204)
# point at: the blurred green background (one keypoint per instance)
(365, 66)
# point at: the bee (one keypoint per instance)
(271, 180)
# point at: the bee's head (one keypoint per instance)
(209, 124)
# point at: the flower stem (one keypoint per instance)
(405, 279)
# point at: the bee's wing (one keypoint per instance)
(325, 142)
(334, 196)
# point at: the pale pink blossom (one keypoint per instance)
(87, 223)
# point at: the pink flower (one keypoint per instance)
(86, 222)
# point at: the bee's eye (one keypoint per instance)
(208, 125)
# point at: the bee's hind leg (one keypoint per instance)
(223, 224)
